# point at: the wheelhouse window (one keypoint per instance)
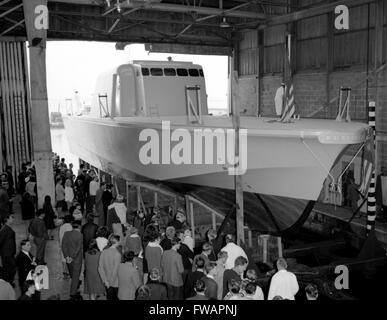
(193, 72)
(145, 71)
(169, 72)
(156, 72)
(201, 72)
(182, 72)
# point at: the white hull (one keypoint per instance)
(289, 160)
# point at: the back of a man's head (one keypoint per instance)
(200, 286)
(155, 274)
(240, 261)
(230, 238)
(311, 292)
(282, 264)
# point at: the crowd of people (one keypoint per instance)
(125, 255)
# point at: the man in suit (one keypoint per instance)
(8, 249)
(211, 291)
(25, 261)
(158, 290)
(200, 288)
(194, 276)
(89, 231)
(39, 233)
(72, 244)
(109, 262)
(172, 265)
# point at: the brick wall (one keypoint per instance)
(311, 94)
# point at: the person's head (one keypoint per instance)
(199, 262)
(211, 234)
(103, 232)
(180, 216)
(251, 275)
(210, 268)
(250, 288)
(76, 224)
(311, 292)
(140, 214)
(180, 234)
(47, 200)
(143, 293)
(282, 264)
(71, 166)
(240, 264)
(113, 240)
(90, 217)
(120, 198)
(187, 233)
(234, 286)
(68, 183)
(278, 298)
(68, 218)
(133, 230)
(175, 242)
(8, 220)
(154, 274)
(222, 256)
(206, 248)
(230, 238)
(102, 185)
(29, 287)
(128, 256)
(200, 287)
(151, 233)
(170, 232)
(25, 245)
(62, 160)
(93, 247)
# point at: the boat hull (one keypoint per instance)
(287, 160)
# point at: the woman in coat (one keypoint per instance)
(93, 282)
(27, 209)
(49, 216)
(128, 278)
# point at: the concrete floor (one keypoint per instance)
(57, 285)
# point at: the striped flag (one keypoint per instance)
(289, 106)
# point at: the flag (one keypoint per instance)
(367, 169)
(289, 108)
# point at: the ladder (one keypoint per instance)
(344, 105)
